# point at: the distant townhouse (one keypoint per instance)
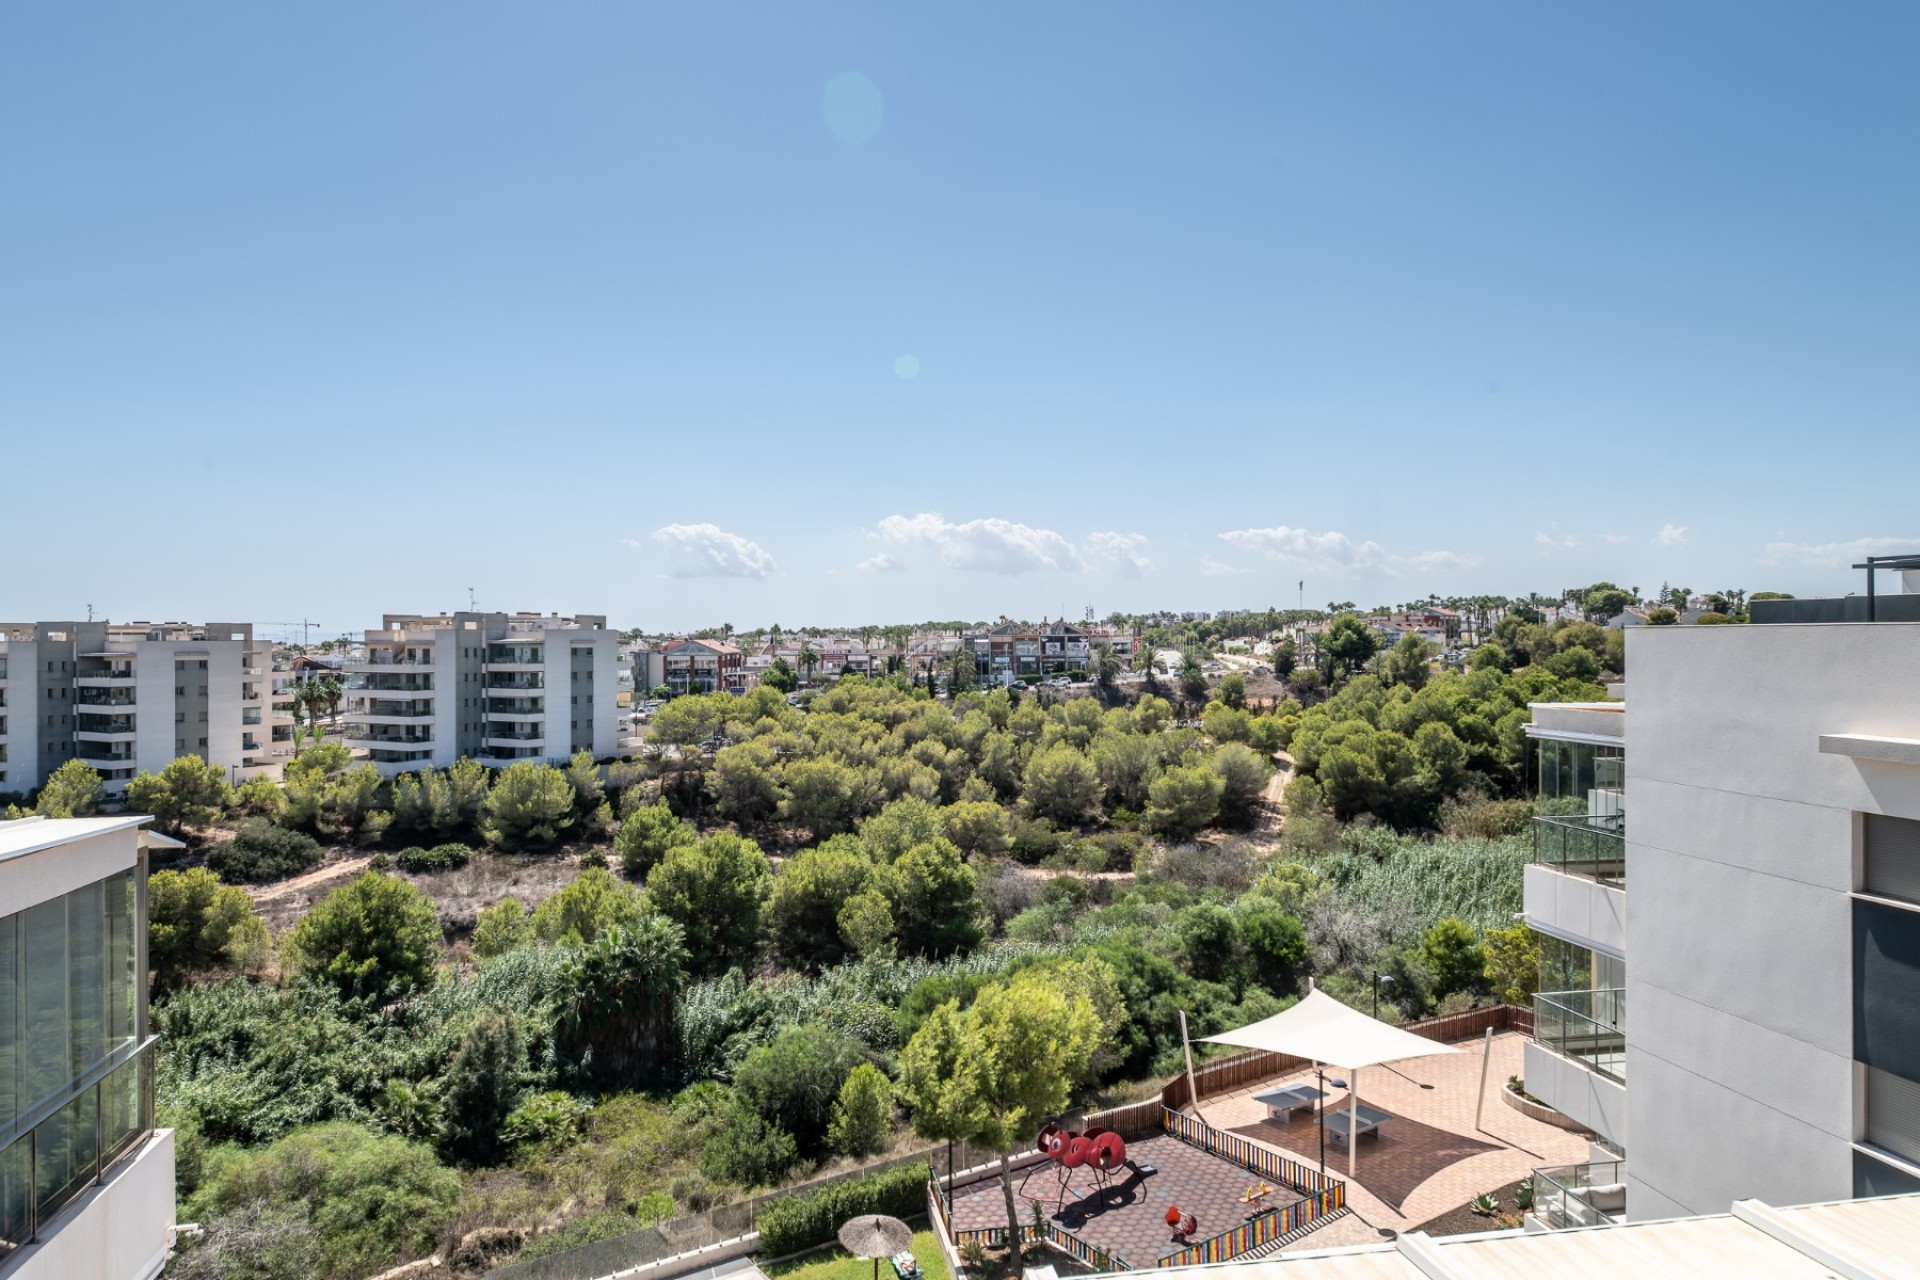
(703, 666)
(129, 698)
(498, 687)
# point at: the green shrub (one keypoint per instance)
(260, 851)
(545, 1119)
(374, 1201)
(748, 1150)
(442, 857)
(802, 1221)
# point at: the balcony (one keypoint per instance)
(389, 682)
(98, 755)
(377, 659)
(364, 736)
(1594, 848)
(1588, 1027)
(1581, 1195)
(514, 681)
(515, 656)
(55, 1151)
(99, 679)
(501, 743)
(104, 728)
(515, 708)
(101, 697)
(374, 710)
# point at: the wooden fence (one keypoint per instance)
(1237, 1069)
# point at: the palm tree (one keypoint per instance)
(1193, 674)
(809, 658)
(1105, 665)
(331, 691)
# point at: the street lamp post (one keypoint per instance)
(1379, 978)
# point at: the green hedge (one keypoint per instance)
(442, 857)
(803, 1221)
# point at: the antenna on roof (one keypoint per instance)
(471, 606)
(89, 613)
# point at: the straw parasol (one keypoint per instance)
(875, 1236)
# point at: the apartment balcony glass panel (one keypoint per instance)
(1592, 847)
(1581, 1195)
(513, 708)
(516, 680)
(1580, 778)
(76, 1082)
(1588, 1026)
(250, 715)
(384, 682)
(105, 726)
(523, 654)
(103, 696)
(381, 708)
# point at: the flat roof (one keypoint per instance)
(23, 836)
(1872, 1238)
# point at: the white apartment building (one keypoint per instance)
(128, 698)
(86, 1182)
(498, 687)
(1771, 958)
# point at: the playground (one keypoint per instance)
(1129, 1217)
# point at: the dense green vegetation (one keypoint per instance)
(694, 1018)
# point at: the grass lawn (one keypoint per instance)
(837, 1264)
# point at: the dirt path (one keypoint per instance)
(1266, 831)
(288, 897)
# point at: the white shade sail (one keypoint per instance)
(1324, 1030)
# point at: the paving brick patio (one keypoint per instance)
(1428, 1158)
(1130, 1218)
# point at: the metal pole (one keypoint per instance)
(1186, 1046)
(1320, 1119)
(1486, 1053)
(1353, 1121)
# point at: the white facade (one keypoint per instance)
(130, 698)
(86, 1182)
(1773, 1051)
(497, 687)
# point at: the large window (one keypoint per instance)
(1580, 778)
(74, 1091)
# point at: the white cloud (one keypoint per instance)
(708, 551)
(989, 545)
(1549, 544)
(1613, 539)
(1335, 552)
(1670, 535)
(1211, 568)
(1120, 551)
(882, 563)
(1834, 555)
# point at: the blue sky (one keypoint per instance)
(328, 310)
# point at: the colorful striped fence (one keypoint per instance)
(1196, 1132)
(1072, 1246)
(1324, 1195)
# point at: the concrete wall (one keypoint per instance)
(1577, 1093)
(115, 1231)
(1742, 847)
(1577, 909)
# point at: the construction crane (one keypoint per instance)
(306, 629)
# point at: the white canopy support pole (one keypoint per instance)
(1353, 1121)
(1186, 1046)
(1486, 1054)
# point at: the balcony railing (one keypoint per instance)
(1595, 848)
(516, 680)
(389, 684)
(94, 696)
(1588, 1026)
(1580, 1195)
(376, 658)
(55, 1151)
